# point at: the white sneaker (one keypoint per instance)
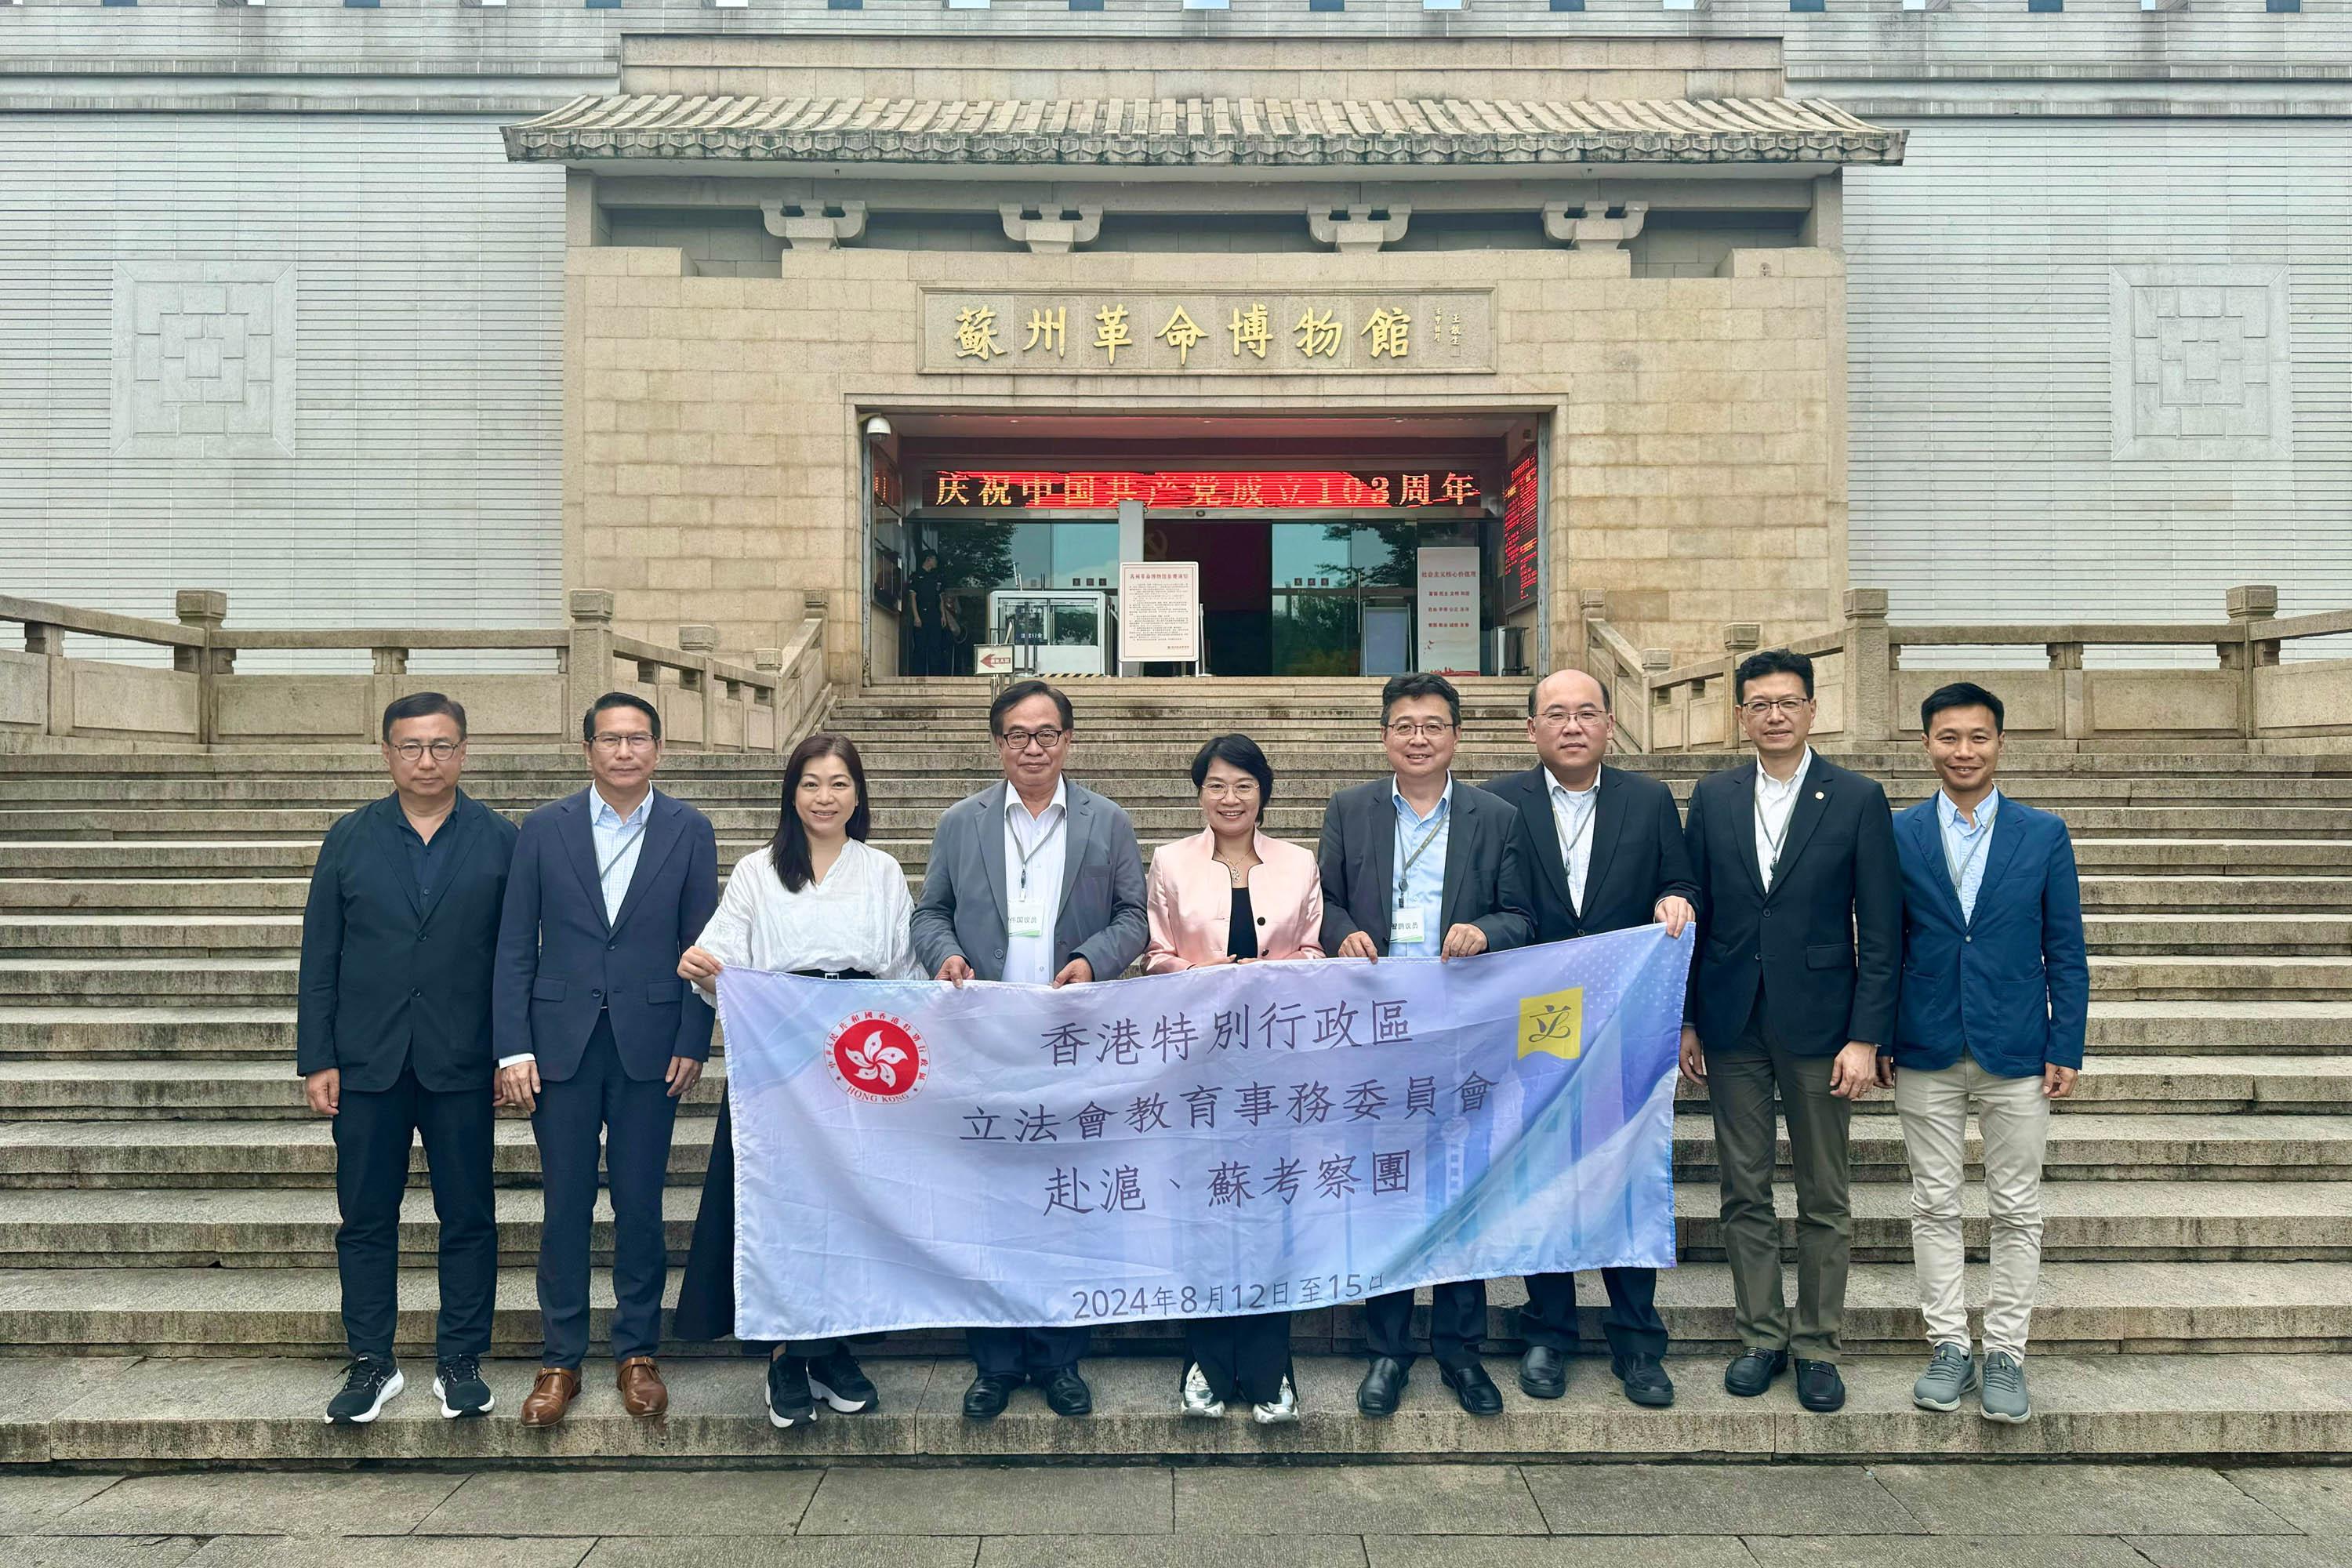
(1284, 1408)
(1198, 1401)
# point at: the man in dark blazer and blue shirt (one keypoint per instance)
(1420, 865)
(1792, 994)
(1996, 996)
(1608, 856)
(392, 1038)
(596, 1034)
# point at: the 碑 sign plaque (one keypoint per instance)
(1208, 332)
(1159, 611)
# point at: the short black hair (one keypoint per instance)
(1240, 752)
(1404, 687)
(1605, 706)
(1771, 661)
(422, 705)
(1020, 692)
(617, 700)
(1961, 694)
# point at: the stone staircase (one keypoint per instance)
(167, 1212)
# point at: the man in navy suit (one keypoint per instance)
(596, 1034)
(1996, 990)
(392, 1038)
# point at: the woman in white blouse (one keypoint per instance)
(817, 900)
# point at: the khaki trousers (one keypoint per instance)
(2014, 1118)
(1741, 1084)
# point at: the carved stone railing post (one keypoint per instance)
(702, 642)
(391, 660)
(204, 610)
(588, 663)
(1869, 666)
(56, 700)
(2249, 606)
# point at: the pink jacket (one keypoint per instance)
(1189, 898)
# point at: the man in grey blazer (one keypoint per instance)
(1421, 865)
(1040, 881)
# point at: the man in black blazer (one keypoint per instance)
(1419, 865)
(1792, 994)
(1608, 847)
(392, 1038)
(596, 1034)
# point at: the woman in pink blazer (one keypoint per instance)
(1231, 895)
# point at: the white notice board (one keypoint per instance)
(1160, 610)
(1447, 642)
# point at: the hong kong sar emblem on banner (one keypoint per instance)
(878, 1056)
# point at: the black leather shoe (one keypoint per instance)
(1477, 1391)
(1751, 1372)
(1382, 1386)
(1819, 1386)
(1645, 1381)
(985, 1400)
(1543, 1373)
(1067, 1394)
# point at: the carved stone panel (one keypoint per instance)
(2201, 364)
(203, 359)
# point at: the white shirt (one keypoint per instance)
(1045, 839)
(858, 918)
(1776, 805)
(617, 839)
(1573, 813)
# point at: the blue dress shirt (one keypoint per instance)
(1424, 884)
(1966, 847)
(618, 839)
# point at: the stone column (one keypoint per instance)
(701, 642)
(2250, 606)
(768, 661)
(56, 689)
(204, 610)
(588, 663)
(1869, 666)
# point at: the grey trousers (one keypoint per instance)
(1742, 1081)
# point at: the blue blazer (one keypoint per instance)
(2012, 985)
(561, 962)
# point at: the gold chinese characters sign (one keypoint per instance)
(1221, 334)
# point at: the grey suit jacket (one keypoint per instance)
(1489, 867)
(962, 908)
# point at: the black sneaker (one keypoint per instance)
(368, 1386)
(457, 1384)
(837, 1379)
(789, 1403)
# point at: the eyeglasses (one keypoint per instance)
(1220, 790)
(1581, 718)
(1018, 741)
(410, 751)
(636, 742)
(1765, 707)
(1406, 730)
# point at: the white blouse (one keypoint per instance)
(858, 918)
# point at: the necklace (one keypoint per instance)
(1237, 870)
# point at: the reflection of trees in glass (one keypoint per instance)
(1075, 627)
(974, 554)
(1315, 634)
(1382, 551)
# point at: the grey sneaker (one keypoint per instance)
(1950, 1375)
(1200, 1401)
(2004, 1389)
(1285, 1408)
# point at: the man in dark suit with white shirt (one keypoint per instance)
(1792, 997)
(1609, 855)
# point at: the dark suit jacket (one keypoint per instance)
(386, 980)
(561, 962)
(1823, 947)
(1488, 878)
(1637, 853)
(2012, 985)
(962, 910)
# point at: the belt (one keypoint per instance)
(833, 974)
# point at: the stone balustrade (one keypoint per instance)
(2246, 696)
(706, 703)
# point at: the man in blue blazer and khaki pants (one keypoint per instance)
(596, 1034)
(1996, 990)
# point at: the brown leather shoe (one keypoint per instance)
(551, 1395)
(639, 1380)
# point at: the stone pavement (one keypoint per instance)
(1394, 1516)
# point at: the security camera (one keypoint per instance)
(877, 428)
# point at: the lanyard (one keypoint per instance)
(1569, 844)
(604, 868)
(1959, 872)
(1029, 851)
(1763, 825)
(1436, 827)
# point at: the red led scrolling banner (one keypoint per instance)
(1250, 490)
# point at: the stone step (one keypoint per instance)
(2082, 1308)
(168, 1410)
(177, 1225)
(2152, 894)
(276, 1152)
(149, 982)
(2219, 978)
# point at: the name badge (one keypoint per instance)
(1024, 916)
(1407, 927)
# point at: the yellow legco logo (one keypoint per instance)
(1553, 1023)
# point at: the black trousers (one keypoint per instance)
(1243, 1358)
(706, 1291)
(635, 1120)
(1632, 1322)
(1037, 1353)
(1457, 1322)
(373, 1132)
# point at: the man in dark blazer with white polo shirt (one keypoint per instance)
(393, 1039)
(597, 1036)
(1608, 856)
(1791, 996)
